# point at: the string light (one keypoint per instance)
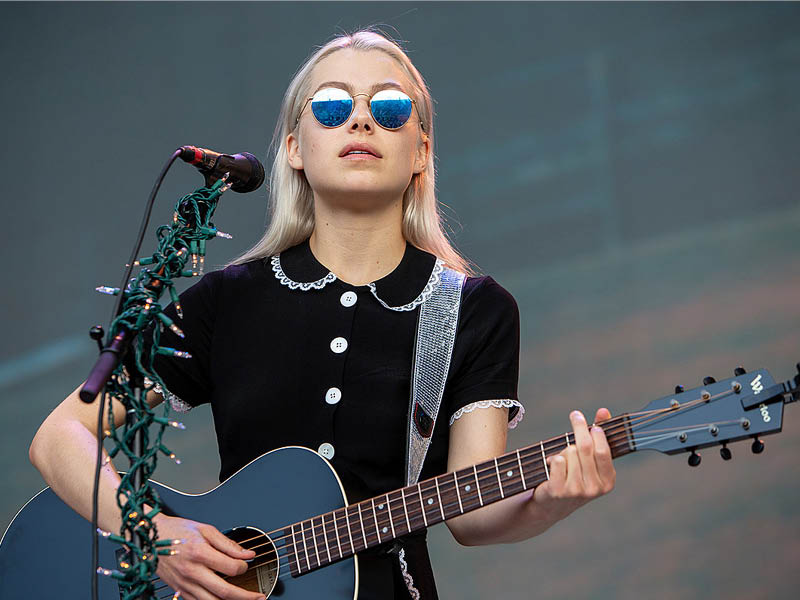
(173, 352)
(104, 289)
(181, 240)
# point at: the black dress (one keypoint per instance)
(289, 355)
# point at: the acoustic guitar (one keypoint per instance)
(289, 505)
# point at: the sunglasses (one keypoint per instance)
(332, 107)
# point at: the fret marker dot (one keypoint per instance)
(380, 506)
(430, 500)
(384, 530)
(510, 473)
(467, 488)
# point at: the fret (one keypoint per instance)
(566, 435)
(303, 537)
(438, 495)
(375, 516)
(544, 461)
(325, 534)
(336, 529)
(296, 553)
(458, 493)
(309, 541)
(363, 530)
(389, 509)
(521, 472)
(422, 504)
(499, 480)
(314, 536)
(405, 510)
(349, 532)
(477, 484)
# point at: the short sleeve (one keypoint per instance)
(188, 379)
(485, 366)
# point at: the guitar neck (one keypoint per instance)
(327, 538)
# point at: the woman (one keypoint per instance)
(307, 338)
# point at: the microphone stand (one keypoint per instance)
(125, 370)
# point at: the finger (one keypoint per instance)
(603, 460)
(557, 474)
(584, 443)
(573, 486)
(222, 563)
(602, 414)
(223, 543)
(219, 588)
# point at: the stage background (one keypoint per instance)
(627, 171)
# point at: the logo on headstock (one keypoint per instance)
(764, 412)
(757, 386)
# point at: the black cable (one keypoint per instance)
(120, 299)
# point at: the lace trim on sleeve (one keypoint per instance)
(407, 576)
(176, 403)
(496, 404)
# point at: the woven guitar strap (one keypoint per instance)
(433, 348)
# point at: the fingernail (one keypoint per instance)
(576, 414)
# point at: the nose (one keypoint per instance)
(361, 117)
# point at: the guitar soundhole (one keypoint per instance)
(262, 576)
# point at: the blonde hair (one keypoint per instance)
(291, 200)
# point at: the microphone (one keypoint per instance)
(246, 172)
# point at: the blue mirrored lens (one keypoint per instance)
(332, 112)
(391, 113)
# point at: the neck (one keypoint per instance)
(359, 247)
(341, 533)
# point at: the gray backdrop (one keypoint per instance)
(627, 171)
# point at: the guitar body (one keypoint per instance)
(46, 550)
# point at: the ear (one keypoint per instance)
(423, 150)
(293, 152)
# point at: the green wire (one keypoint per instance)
(188, 232)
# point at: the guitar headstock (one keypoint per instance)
(714, 414)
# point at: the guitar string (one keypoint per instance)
(287, 554)
(551, 445)
(617, 427)
(286, 559)
(509, 461)
(489, 471)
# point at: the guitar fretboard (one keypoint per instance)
(325, 539)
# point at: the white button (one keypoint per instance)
(338, 345)
(333, 395)
(348, 299)
(326, 450)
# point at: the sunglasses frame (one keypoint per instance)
(352, 108)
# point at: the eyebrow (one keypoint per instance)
(346, 86)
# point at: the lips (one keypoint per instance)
(360, 146)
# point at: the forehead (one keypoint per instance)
(359, 71)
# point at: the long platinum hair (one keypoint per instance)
(291, 200)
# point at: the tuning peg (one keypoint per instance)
(694, 459)
(758, 446)
(709, 380)
(725, 452)
(739, 371)
(678, 389)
